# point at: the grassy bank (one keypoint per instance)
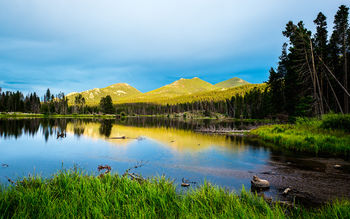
(72, 194)
(329, 135)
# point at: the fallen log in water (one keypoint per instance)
(124, 137)
(121, 137)
(221, 131)
(186, 183)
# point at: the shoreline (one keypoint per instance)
(116, 116)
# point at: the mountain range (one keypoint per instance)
(186, 88)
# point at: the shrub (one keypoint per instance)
(278, 129)
(336, 121)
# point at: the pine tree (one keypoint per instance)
(339, 46)
(321, 51)
(106, 105)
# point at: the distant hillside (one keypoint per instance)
(233, 82)
(181, 87)
(180, 91)
(210, 95)
(116, 91)
(178, 88)
(215, 95)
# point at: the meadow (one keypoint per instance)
(328, 135)
(72, 194)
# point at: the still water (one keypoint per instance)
(166, 147)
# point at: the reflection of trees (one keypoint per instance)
(17, 127)
(106, 128)
(78, 127)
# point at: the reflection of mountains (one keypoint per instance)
(177, 139)
(177, 134)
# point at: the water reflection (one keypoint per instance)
(106, 128)
(174, 133)
(171, 147)
(178, 139)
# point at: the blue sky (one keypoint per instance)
(75, 45)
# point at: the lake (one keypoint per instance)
(172, 148)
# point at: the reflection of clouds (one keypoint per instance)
(217, 171)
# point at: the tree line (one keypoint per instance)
(50, 103)
(32, 103)
(312, 74)
(16, 102)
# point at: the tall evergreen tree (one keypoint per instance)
(321, 52)
(107, 105)
(339, 47)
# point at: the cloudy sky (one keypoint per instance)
(75, 45)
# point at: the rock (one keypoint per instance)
(286, 191)
(260, 183)
(185, 184)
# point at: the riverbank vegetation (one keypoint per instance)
(329, 135)
(73, 194)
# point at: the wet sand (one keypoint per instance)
(312, 181)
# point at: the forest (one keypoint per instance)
(311, 79)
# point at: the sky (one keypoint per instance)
(76, 45)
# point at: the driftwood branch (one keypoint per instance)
(104, 167)
(135, 176)
(330, 72)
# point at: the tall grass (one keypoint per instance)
(328, 135)
(336, 121)
(70, 194)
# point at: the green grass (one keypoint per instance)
(316, 136)
(70, 194)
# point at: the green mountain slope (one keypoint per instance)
(178, 88)
(181, 87)
(116, 91)
(180, 91)
(209, 95)
(233, 82)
